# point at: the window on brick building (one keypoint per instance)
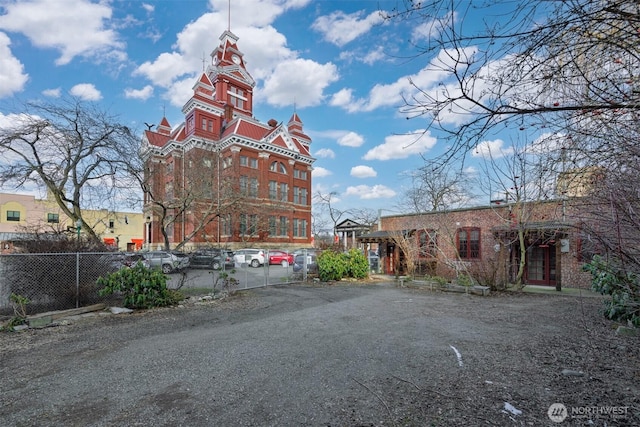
(226, 225)
(253, 187)
(237, 97)
(53, 218)
(272, 226)
(284, 192)
(283, 226)
(468, 243)
(273, 190)
(243, 224)
(244, 185)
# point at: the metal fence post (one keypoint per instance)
(77, 279)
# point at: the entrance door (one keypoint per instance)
(541, 265)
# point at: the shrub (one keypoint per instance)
(331, 266)
(140, 287)
(357, 264)
(607, 278)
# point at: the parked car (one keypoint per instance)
(283, 258)
(312, 264)
(168, 262)
(253, 257)
(131, 259)
(212, 258)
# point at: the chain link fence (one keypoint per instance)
(54, 281)
(60, 281)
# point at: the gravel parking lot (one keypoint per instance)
(341, 355)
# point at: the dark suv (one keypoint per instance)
(212, 258)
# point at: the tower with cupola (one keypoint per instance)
(222, 176)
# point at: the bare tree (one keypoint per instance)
(435, 188)
(365, 216)
(324, 203)
(199, 199)
(75, 150)
(553, 66)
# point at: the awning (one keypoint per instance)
(109, 241)
(138, 243)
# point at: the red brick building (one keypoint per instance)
(484, 242)
(222, 176)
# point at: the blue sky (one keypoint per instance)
(342, 66)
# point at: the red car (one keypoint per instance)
(280, 257)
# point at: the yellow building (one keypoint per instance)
(21, 213)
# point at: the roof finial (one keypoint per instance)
(294, 104)
(229, 17)
(203, 59)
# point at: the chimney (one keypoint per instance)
(273, 123)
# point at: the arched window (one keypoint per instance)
(278, 167)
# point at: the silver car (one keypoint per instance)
(166, 261)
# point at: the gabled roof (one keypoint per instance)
(156, 139)
(302, 148)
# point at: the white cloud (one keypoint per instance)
(344, 99)
(52, 93)
(76, 27)
(286, 78)
(86, 91)
(165, 69)
(374, 56)
(492, 149)
(148, 7)
(326, 153)
(179, 92)
(351, 139)
(402, 146)
(427, 84)
(362, 171)
(340, 28)
(432, 28)
(301, 81)
(12, 75)
(143, 94)
(319, 172)
(366, 192)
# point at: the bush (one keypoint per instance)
(335, 266)
(357, 264)
(140, 287)
(607, 278)
(331, 266)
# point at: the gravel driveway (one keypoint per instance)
(342, 355)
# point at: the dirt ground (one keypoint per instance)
(356, 355)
